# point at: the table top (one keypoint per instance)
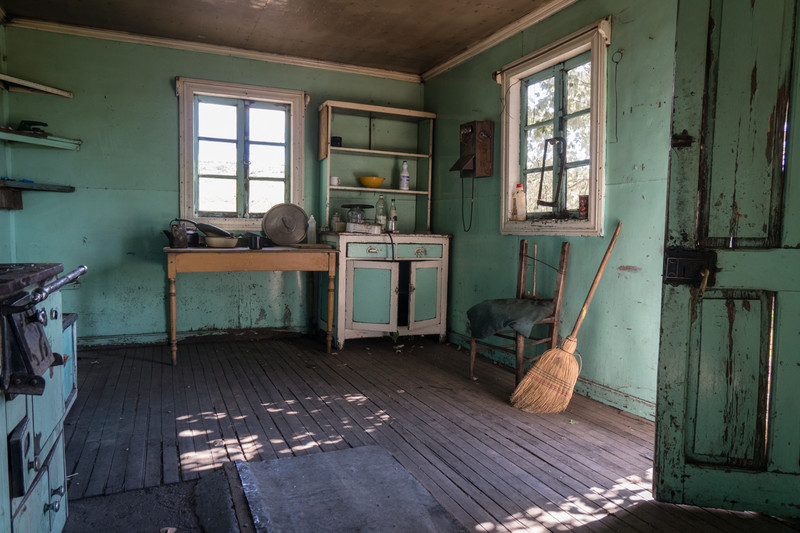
(272, 249)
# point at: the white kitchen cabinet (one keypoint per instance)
(389, 284)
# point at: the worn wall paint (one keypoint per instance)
(126, 179)
(619, 339)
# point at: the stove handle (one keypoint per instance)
(43, 292)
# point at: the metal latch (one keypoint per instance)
(685, 266)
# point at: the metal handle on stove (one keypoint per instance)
(43, 292)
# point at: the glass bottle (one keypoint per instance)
(392, 223)
(380, 212)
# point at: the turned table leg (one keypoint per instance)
(173, 319)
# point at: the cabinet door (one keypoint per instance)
(371, 295)
(426, 282)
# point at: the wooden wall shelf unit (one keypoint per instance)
(375, 140)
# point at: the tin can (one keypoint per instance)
(583, 206)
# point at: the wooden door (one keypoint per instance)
(728, 404)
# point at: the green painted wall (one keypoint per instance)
(126, 176)
(126, 179)
(619, 339)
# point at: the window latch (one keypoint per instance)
(561, 145)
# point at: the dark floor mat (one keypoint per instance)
(360, 489)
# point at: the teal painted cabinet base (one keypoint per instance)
(389, 284)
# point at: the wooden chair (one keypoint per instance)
(520, 341)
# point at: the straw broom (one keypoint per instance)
(548, 385)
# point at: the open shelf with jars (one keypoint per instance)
(368, 140)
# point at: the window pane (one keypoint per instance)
(267, 161)
(578, 132)
(533, 192)
(577, 185)
(216, 120)
(216, 195)
(535, 146)
(265, 194)
(541, 101)
(267, 125)
(216, 158)
(579, 87)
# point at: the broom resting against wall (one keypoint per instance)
(519, 314)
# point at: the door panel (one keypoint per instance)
(425, 280)
(372, 295)
(729, 368)
(727, 423)
(747, 92)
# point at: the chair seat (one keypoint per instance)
(492, 316)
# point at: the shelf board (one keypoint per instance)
(18, 84)
(366, 151)
(51, 141)
(394, 112)
(18, 185)
(376, 190)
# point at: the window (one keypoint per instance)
(553, 138)
(241, 151)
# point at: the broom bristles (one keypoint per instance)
(548, 385)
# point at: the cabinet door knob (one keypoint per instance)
(55, 506)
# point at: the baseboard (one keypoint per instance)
(106, 341)
(615, 398)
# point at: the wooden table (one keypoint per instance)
(304, 259)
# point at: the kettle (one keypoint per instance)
(181, 237)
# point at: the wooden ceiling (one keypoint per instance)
(407, 36)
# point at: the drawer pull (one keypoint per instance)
(372, 250)
(421, 252)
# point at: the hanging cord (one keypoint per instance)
(392, 241)
(471, 206)
(616, 57)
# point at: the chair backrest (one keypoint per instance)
(522, 273)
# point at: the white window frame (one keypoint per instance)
(594, 38)
(187, 89)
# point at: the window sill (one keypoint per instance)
(553, 227)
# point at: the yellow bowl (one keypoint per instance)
(371, 181)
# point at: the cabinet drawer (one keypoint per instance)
(367, 249)
(419, 251)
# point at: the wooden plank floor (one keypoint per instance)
(140, 422)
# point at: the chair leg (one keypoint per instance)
(473, 350)
(520, 357)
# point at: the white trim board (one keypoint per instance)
(121, 36)
(499, 36)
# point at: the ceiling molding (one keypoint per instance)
(126, 37)
(499, 36)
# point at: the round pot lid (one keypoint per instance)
(285, 224)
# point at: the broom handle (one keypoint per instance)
(595, 282)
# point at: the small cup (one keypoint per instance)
(255, 242)
(335, 180)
